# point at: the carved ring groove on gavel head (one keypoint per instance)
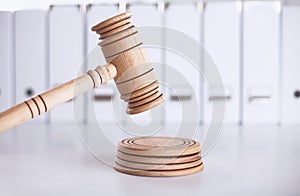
(127, 64)
(135, 79)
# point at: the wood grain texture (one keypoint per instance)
(131, 64)
(144, 96)
(145, 100)
(159, 146)
(111, 21)
(131, 70)
(150, 173)
(117, 37)
(116, 30)
(113, 26)
(118, 47)
(158, 160)
(157, 167)
(158, 156)
(140, 92)
(146, 106)
(55, 97)
(122, 47)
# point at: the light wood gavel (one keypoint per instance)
(127, 64)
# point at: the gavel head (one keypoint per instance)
(135, 77)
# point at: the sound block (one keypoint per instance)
(159, 146)
(158, 156)
(158, 160)
(155, 173)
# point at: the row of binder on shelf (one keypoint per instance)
(255, 51)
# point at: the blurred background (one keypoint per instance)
(255, 45)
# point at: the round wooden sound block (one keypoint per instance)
(159, 146)
(156, 173)
(158, 160)
(158, 156)
(157, 167)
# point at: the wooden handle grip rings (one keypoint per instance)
(128, 65)
(54, 97)
(135, 78)
(137, 84)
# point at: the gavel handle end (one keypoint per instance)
(54, 97)
(14, 116)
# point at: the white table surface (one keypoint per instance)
(49, 160)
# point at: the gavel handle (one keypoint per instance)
(54, 97)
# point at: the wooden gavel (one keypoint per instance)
(127, 64)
